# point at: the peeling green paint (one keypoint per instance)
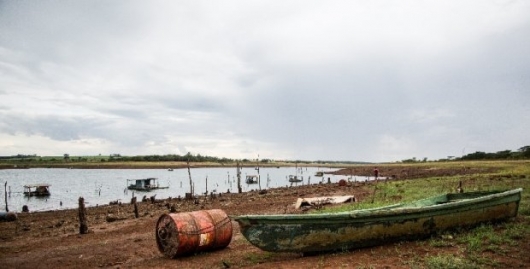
(369, 227)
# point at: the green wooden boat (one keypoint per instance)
(363, 228)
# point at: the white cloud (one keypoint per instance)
(341, 80)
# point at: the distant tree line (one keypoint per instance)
(18, 156)
(522, 153)
(170, 158)
(120, 158)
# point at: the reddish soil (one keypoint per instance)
(52, 239)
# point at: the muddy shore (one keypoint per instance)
(117, 239)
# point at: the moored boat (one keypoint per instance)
(370, 227)
(251, 179)
(295, 178)
(42, 189)
(144, 184)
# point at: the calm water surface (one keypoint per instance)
(101, 186)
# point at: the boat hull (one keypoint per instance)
(134, 188)
(364, 228)
(39, 190)
(37, 194)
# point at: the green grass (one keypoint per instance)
(509, 175)
(256, 258)
(448, 261)
(470, 245)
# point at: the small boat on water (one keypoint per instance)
(145, 184)
(369, 227)
(295, 178)
(251, 179)
(42, 189)
(319, 174)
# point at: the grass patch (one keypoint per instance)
(507, 175)
(257, 258)
(448, 261)
(445, 240)
(516, 231)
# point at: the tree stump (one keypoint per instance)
(83, 226)
(136, 215)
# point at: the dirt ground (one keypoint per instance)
(117, 239)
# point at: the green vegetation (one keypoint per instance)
(116, 158)
(466, 248)
(505, 175)
(448, 262)
(521, 153)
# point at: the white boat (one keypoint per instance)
(144, 184)
(37, 190)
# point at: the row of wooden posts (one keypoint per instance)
(83, 226)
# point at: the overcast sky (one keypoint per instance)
(311, 80)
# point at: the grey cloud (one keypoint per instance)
(343, 81)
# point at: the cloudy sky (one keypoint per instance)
(311, 80)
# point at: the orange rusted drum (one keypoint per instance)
(185, 233)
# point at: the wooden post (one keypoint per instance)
(238, 178)
(191, 182)
(373, 194)
(259, 178)
(133, 200)
(83, 227)
(5, 189)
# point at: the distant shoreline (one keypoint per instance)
(156, 165)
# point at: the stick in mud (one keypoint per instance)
(189, 175)
(133, 201)
(239, 190)
(373, 194)
(5, 189)
(83, 227)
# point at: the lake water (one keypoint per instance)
(101, 186)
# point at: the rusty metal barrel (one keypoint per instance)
(190, 232)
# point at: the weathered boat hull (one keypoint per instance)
(38, 194)
(134, 188)
(40, 190)
(145, 184)
(364, 228)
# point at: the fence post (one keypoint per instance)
(135, 207)
(83, 227)
(5, 189)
